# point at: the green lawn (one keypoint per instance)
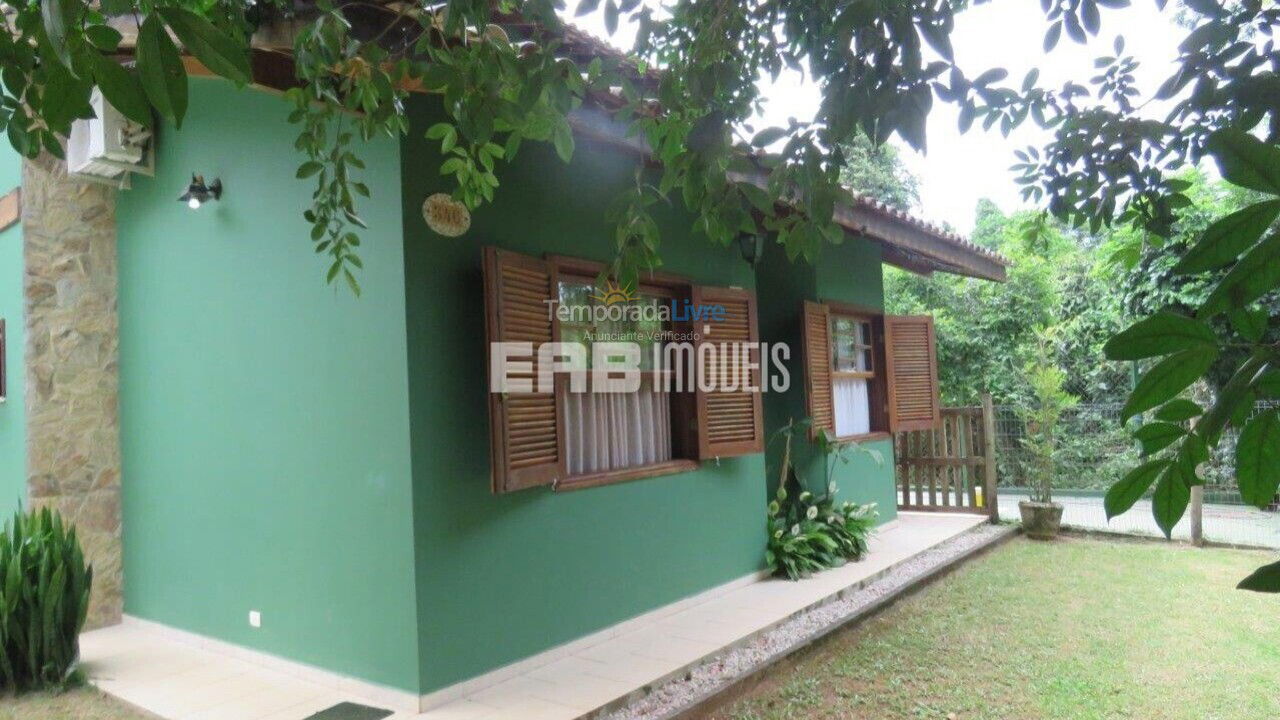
(1073, 629)
(83, 703)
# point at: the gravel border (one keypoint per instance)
(704, 684)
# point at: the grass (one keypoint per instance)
(1074, 629)
(80, 703)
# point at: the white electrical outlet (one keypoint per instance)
(255, 619)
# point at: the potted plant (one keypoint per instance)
(1041, 516)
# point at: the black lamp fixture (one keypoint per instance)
(198, 193)
(751, 245)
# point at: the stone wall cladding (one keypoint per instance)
(72, 340)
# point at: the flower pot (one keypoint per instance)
(1040, 520)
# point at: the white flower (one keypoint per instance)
(795, 529)
(836, 519)
(812, 512)
(804, 496)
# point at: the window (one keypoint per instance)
(852, 374)
(569, 439)
(868, 373)
(614, 431)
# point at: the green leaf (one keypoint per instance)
(219, 52)
(1257, 273)
(611, 17)
(1251, 324)
(1268, 384)
(1225, 239)
(1258, 459)
(1265, 579)
(768, 136)
(1168, 378)
(1156, 436)
(1245, 160)
(309, 168)
(563, 140)
(1170, 499)
(160, 69)
(59, 17)
(121, 88)
(1191, 453)
(103, 37)
(1161, 334)
(1178, 410)
(1121, 496)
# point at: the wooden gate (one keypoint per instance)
(950, 468)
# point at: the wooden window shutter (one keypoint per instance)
(911, 372)
(527, 429)
(730, 422)
(817, 368)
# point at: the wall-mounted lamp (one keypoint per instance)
(751, 245)
(198, 193)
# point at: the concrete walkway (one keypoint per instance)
(189, 681)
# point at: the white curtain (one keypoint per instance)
(853, 409)
(608, 431)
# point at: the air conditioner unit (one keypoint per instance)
(109, 147)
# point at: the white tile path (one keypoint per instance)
(183, 681)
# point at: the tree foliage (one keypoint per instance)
(988, 332)
(877, 172)
(880, 65)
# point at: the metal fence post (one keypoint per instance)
(989, 457)
(1196, 509)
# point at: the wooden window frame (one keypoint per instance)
(702, 427)
(877, 388)
(683, 422)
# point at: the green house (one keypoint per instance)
(258, 459)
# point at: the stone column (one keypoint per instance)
(71, 358)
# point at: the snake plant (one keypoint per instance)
(44, 599)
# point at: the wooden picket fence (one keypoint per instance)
(950, 468)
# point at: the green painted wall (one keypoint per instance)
(503, 577)
(265, 415)
(848, 273)
(13, 438)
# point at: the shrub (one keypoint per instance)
(1048, 402)
(809, 533)
(44, 598)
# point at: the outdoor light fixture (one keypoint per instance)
(198, 193)
(752, 247)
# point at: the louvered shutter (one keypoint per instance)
(526, 428)
(911, 372)
(817, 367)
(729, 420)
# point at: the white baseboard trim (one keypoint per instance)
(493, 677)
(381, 695)
(402, 700)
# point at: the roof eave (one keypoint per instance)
(913, 247)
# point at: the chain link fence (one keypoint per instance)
(1095, 451)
